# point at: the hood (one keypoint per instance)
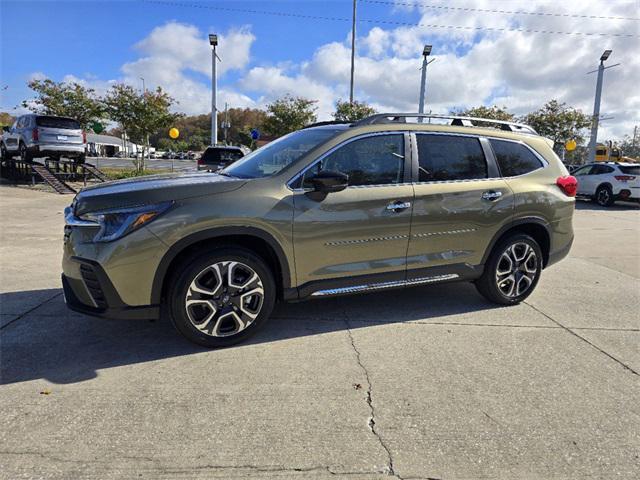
(152, 189)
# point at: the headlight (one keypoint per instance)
(118, 222)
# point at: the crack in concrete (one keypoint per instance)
(22, 315)
(372, 419)
(622, 364)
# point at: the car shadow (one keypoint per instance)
(52, 343)
(585, 204)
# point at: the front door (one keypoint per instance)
(586, 179)
(460, 204)
(362, 230)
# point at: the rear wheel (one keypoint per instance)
(3, 152)
(25, 156)
(604, 196)
(513, 270)
(222, 297)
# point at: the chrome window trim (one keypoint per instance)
(346, 142)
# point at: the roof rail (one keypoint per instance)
(380, 118)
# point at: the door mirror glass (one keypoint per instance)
(327, 181)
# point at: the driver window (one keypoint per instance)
(375, 160)
(582, 171)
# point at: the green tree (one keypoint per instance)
(6, 119)
(139, 114)
(494, 113)
(351, 112)
(629, 147)
(559, 122)
(289, 114)
(66, 99)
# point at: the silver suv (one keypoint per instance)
(33, 136)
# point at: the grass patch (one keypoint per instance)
(120, 173)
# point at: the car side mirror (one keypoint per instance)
(327, 181)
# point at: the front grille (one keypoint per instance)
(93, 285)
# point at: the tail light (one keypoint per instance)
(624, 178)
(84, 136)
(568, 184)
(35, 134)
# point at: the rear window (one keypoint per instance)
(445, 157)
(57, 122)
(514, 158)
(221, 155)
(630, 170)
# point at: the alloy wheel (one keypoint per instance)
(224, 299)
(517, 269)
(604, 196)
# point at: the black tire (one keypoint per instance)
(488, 283)
(3, 153)
(25, 155)
(226, 302)
(604, 196)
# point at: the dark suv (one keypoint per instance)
(44, 136)
(218, 157)
(328, 210)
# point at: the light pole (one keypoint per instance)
(353, 51)
(423, 82)
(596, 106)
(213, 41)
(144, 89)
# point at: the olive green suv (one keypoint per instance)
(328, 210)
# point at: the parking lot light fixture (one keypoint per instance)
(605, 55)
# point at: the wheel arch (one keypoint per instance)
(536, 227)
(258, 241)
(605, 184)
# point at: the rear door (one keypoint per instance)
(460, 204)
(58, 130)
(364, 229)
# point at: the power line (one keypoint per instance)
(390, 22)
(486, 10)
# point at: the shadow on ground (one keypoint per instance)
(617, 206)
(50, 342)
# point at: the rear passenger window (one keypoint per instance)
(514, 158)
(448, 157)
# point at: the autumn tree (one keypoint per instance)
(139, 114)
(289, 114)
(559, 122)
(351, 112)
(65, 99)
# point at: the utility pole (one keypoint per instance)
(596, 105)
(213, 41)
(423, 82)
(226, 125)
(353, 50)
(144, 93)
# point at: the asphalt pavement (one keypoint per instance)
(431, 382)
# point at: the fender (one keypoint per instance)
(211, 234)
(514, 223)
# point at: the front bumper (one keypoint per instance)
(94, 294)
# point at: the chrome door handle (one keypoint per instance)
(491, 195)
(398, 206)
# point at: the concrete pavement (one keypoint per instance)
(424, 383)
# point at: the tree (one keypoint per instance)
(630, 147)
(289, 114)
(6, 119)
(559, 122)
(139, 114)
(494, 113)
(351, 112)
(242, 121)
(65, 99)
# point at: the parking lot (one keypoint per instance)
(426, 383)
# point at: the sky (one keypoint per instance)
(486, 52)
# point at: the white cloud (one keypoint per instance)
(515, 69)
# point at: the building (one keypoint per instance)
(109, 146)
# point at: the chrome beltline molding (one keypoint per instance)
(383, 285)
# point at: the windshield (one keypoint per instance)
(274, 156)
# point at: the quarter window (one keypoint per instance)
(375, 160)
(448, 157)
(514, 158)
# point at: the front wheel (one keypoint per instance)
(222, 297)
(513, 270)
(604, 196)
(25, 156)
